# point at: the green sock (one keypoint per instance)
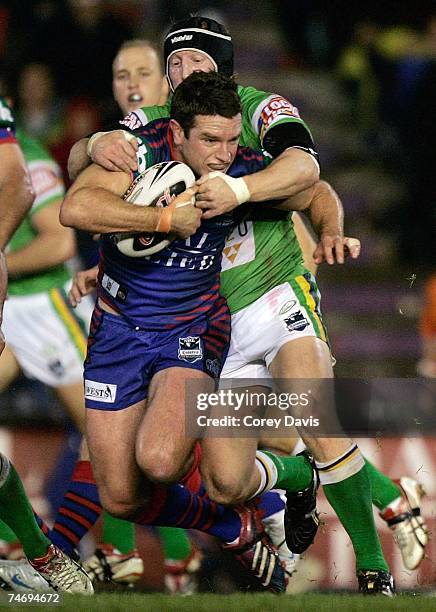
(351, 500)
(17, 513)
(6, 534)
(119, 533)
(175, 543)
(293, 473)
(384, 490)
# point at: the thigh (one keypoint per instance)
(111, 436)
(309, 359)
(162, 447)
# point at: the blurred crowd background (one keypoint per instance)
(363, 76)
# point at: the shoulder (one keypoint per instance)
(143, 116)
(247, 161)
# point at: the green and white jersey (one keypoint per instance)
(262, 251)
(260, 112)
(48, 185)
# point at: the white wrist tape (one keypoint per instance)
(91, 141)
(127, 135)
(237, 185)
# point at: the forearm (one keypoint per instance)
(96, 210)
(293, 171)
(325, 211)
(78, 159)
(16, 197)
(44, 252)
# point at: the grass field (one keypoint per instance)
(127, 602)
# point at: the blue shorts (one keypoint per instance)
(122, 359)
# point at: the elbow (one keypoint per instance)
(69, 215)
(65, 216)
(309, 171)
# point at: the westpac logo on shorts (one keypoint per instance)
(100, 392)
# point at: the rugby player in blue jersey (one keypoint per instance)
(136, 432)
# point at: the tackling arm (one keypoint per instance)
(293, 171)
(113, 150)
(324, 208)
(52, 245)
(16, 192)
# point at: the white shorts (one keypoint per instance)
(47, 336)
(287, 312)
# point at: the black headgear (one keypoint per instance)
(201, 34)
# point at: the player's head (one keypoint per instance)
(138, 78)
(197, 44)
(206, 122)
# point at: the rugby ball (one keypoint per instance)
(157, 186)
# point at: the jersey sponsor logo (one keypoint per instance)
(43, 180)
(110, 285)
(177, 39)
(296, 322)
(190, 349)
(287, 306)
(101, 392)
(240, 247)
(278, 108)
(132, 121)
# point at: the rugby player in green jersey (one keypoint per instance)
(273, 123)
(58, 571)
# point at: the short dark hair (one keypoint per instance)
(204, 93)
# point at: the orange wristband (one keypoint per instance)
(164, 223)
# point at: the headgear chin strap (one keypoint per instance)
(218, 47)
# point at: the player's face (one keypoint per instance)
(137, 79)
(211, 145)
(184, 63)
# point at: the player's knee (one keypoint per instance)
(228, 490)
(159, 467)
(117, 503)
